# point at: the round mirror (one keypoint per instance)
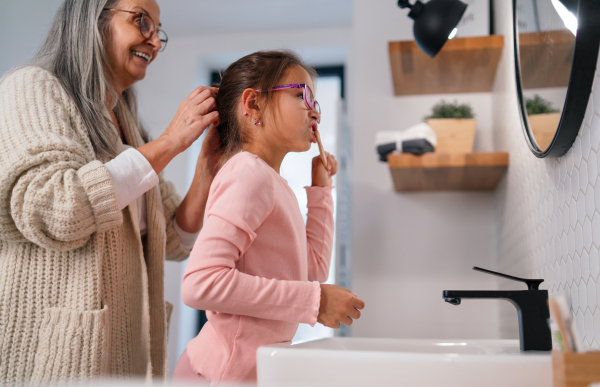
(556, 48)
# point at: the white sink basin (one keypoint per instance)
(403, 362)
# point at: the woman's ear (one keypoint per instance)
(250, 103)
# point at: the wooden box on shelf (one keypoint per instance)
(447, 172)
(453, 135)
(464, 65)
(544, 127)
(572, 369)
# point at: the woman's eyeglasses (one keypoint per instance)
(307, 94)
(147, 26)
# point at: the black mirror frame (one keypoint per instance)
(583, 71)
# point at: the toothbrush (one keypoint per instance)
(569, 323)
(321, 151)
(559, 319)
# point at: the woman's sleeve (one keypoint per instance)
(239, 205)
(51, 192)
(132, 175)
(319, 232)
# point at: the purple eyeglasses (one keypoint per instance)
(307, 95)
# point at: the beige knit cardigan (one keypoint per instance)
(81, 295)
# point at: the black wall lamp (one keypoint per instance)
(434, 22)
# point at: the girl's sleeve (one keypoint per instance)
(319, 232)
(51, 192)
(240, 202)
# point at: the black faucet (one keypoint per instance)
(531, 304)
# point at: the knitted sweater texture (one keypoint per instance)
(81, 295)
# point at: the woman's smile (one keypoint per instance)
(146, 57)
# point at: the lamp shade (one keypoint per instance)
(434, 21)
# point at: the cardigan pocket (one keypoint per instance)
(72, 345)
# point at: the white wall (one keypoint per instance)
(23, 27)
(548, 209)
(408, 247)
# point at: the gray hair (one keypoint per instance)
(74, 51)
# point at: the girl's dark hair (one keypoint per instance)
(259, 70)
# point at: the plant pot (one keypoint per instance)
(544, 127)
(454, 135)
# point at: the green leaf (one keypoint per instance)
(538, 105)
(445, 109)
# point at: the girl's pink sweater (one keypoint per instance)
(251, 264)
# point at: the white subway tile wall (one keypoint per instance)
(549, 214)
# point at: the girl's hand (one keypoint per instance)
(194, 115)
(321, 176)
(338, 305)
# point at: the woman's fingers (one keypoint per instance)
(194, 93)
(195, 114)
(206, 106)
(347, 321)
(200, 89)
(205, 122)
(210, 119)
(202, 96)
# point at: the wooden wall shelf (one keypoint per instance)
(546, 58)
(447, 172)
(464, 65)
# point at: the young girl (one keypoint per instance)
(253, 259)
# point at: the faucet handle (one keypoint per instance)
(532, 284)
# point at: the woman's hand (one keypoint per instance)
(338, 305)
(194, 115)
(321, 176)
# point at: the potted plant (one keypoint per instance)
(543, 120)
(454, 126)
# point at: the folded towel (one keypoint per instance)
(417, 139)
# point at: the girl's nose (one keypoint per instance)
(316, 115)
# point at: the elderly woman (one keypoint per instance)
(86, 220)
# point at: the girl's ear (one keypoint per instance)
(250, 103)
